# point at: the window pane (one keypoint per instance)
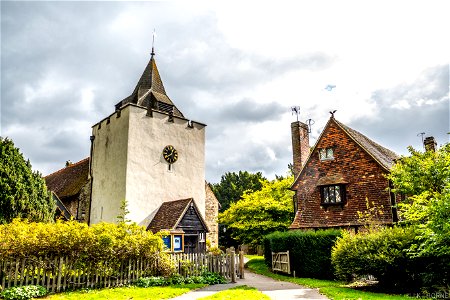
(338, 193)
(325, 195)
(329, 152)
(331, 194)
(322, 154)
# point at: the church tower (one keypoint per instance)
(146, 153)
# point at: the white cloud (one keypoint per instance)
(66, 68)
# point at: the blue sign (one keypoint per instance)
(167, 241)
(177, 243)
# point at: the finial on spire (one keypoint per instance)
(153, 42)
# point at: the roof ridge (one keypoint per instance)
(369, 139)
(354, 134)
(69, 166)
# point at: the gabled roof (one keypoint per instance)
(70, 180)
(170, 214)
(150, 88)
(383, 156)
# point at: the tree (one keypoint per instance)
(23, 193)
(233, 185)
(261, 212)
(425, 178)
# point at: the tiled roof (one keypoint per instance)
(383, 156)
(69, 180)
(150, 87)
(170, 214)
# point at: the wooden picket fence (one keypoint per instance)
(59, 274)
(230, 265)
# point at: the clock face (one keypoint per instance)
(170, 154)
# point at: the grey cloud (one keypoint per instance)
(393, 126)
(252, 157)
(433, 84)
(251, 111)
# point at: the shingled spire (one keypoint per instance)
(149, 92)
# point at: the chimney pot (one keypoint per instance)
(430, 144)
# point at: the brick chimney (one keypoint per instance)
(300, 145)
(430, 144)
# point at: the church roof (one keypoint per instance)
(150, 91)
(70, 180)
(170, 214)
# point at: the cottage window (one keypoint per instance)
(326, 153)
(332, 194)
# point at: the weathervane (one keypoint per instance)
(310, 123)
(153, 42)
(295, 110)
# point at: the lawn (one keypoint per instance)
(238, 292)
(332, 289)
(126, 293)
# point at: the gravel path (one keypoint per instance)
(276, 290)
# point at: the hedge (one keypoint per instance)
(309, 251)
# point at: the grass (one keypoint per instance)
(332, 289)
(126, 293)
(238, 292)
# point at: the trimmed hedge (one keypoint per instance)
(309, 251)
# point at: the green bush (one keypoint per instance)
(176, 279)
(23, 292)
(383, 254)
(309, 251)
(150, 281)
(391, 255)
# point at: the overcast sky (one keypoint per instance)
(236, 66)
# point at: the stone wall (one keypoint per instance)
(212, 211)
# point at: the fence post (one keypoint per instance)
(58, 284)
(232, 265)
(241, 264)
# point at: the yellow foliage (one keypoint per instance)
(103, 241)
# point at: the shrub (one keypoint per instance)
(176, 279)
(383, 254)
(23, 292)
(309, 251)
(213, 278)
(150, 281)
(88, 245)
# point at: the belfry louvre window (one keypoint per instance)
(326, 153)
(332, 194)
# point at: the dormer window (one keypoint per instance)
(326, 153)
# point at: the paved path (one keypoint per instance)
(276, 290)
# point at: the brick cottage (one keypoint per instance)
(335, 179)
